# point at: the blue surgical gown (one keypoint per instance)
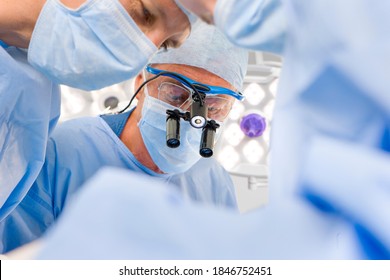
(29, 110)
(76, 150)
(120, 215)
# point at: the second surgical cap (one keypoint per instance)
(209, 49)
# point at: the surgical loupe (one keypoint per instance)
(197, 116)
(173, 127)
(199, 110)
(207, 140)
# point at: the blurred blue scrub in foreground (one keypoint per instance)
(333, 106)
(140, 218)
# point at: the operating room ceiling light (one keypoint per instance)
(73, 102)
(269, 109)
(253, 125)
(233, 134)
(228, 157)
(253, 151)
(266, 134)
(254, 94)
(237, 110)
(273, 87)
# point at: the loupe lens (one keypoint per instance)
(206, 152)
(173, 132)
(207, 142)
(173, 143)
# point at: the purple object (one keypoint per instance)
(253, 125)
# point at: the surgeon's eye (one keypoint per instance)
(148, 17)
(142, 14)
(213, 109)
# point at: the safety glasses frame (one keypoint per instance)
(203, 88)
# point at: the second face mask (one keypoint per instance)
(153, 130)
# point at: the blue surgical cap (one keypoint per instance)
(191, 16)
(208, 48)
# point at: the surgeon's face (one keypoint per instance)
(172, 92)
(162, 21)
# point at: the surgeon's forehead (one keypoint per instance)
(195, 73)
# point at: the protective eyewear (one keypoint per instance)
(182, 93)
(203, 88)
(178, 91)
(180, 96)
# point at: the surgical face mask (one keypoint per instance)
(94, 46)
(152, 126)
